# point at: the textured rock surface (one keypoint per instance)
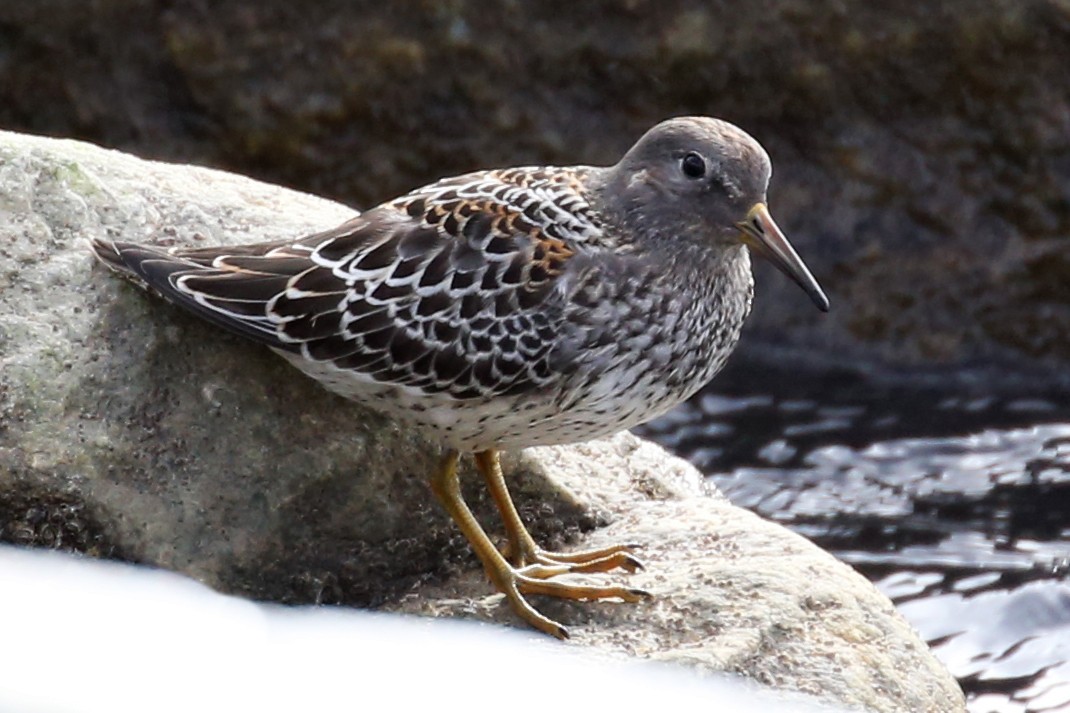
(130, 430)
(920, 148)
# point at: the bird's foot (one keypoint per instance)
(535, 579)
(604, 559)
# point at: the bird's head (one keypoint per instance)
(706, 179)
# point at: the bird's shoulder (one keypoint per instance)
(505, 229)
(540, 202)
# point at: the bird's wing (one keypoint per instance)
(450, 288)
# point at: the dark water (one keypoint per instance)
(952, 498)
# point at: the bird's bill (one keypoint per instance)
(763, 236)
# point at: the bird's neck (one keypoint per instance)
(718, 272)
(695, 258)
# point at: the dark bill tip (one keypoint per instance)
(761, 234)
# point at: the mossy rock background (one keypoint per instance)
(921, 150)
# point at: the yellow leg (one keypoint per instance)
(510, 581)
(522, 547)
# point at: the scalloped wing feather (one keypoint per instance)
(450, 288)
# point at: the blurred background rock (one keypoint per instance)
(921, 150)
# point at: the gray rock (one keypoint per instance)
(131, 430)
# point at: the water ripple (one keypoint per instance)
(956, 505)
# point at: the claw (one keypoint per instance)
(565, 590)
(584, 565)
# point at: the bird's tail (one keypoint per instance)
(176, 276)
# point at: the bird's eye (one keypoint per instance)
(693, 165)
